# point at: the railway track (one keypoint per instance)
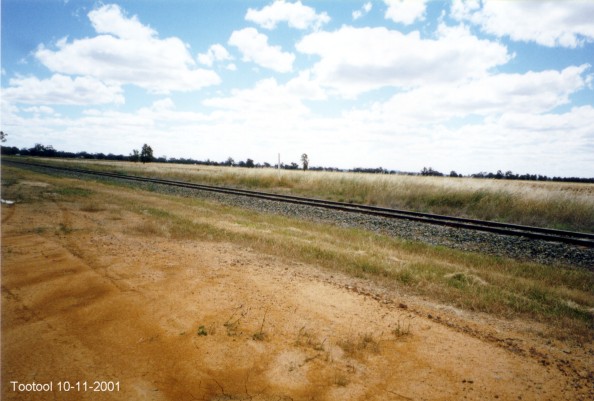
(539, 233)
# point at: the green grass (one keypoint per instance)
(73, 192)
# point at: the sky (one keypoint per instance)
(468, 86)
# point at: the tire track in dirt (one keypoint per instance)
(7, 212)
(74, 312)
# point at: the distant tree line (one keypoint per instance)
(49, 151)
(145, 155)
(508, 175)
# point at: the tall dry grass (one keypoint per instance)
(567, 206)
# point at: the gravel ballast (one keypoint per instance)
(516, 247)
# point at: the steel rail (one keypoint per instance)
(547, 234)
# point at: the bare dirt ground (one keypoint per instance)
(85, 298)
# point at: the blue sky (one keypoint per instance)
(462, 85)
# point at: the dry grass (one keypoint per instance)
(360, 345)
(548, 204)
(560, 296)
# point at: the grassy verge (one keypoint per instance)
(547, 204)
(559, 296)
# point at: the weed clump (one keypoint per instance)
(357, 347)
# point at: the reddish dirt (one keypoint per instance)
(187, 320)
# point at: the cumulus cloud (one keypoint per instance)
(547, 22)
(531, 92)
(127, 52)
(110, 19)
(296, 15)
(405, 11)
(355, 60)
(534, 138)
(39, 110)
(362, 11)
(254, 47)
(214, 53)
(61, 89)
(266, 100)
(165, 111)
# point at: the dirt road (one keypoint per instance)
(88, 300)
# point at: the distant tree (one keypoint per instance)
(249, 163)
(2, 136)
(146, 154)
(37, 150)
(430, 171)
(7, 150)
(304, 161)
(135, 156)
(229, 162)
(453, 174)
(42, 150)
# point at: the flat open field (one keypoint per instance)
(185, 299)
(559, 205)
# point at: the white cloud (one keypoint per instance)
(463, 9)
(110, 19)
(127, 52)
(549, 23)
(39, 110)
(267, 100)
(538, 143)
(164, 111)
(214, 53)
(254, 47)
(295, 14)
(521, 142)
(405, 11)
(306, 88)
(355, 60)
(529, 93)
(362, 11)
(61, 89)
